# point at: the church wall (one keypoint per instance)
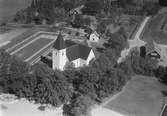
(90, 57)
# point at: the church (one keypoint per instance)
(66, 51)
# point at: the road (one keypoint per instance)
(142, 26)
(136, 42)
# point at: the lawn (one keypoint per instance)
(156, 29)
(8, 8)
(21, 107)
(142, 96)
(8, 36)
(4, 30)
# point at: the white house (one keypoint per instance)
(94, 37)
(64, 51)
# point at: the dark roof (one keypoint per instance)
(78, 51)
(59, 44)
(85, 43)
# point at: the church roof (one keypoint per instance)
(59, 44)
(78, 51)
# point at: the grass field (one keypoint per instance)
(8, 8)
(8, 36)
(156, 29)
(142, 96)
(30, 49)
(4, 30)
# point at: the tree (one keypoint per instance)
(140, 65)
(85, 84)
(102, 63)
(116, 41)
(69, 66)
(92, 7)
(87, 21)
(112, 55)
(78, 106)
(52, 87)
(78, 21)
(161, 73)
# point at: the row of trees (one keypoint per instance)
(41, 11)
(49, 10)
(132, 7)
(161, 73)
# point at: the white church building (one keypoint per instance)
(65, 51)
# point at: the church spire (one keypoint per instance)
(59, 44)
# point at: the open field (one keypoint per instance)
(28, 50)
(142, 96)
(156, 29)
(31, 48)
(8, 8)
(4, 30)
(12, 106)
(30, 44)
(8, 36)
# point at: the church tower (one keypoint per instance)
(59, 57)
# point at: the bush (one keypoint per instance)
(140, 65)
(161, 73)
(78, 106)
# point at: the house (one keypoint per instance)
(92, 36)
(77, 10)
(65, 51)
(156, 49)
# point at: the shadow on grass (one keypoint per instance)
(41, 108)
(4, 107)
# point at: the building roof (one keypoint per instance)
(59, 44)
(78, 51)
(96, 33)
